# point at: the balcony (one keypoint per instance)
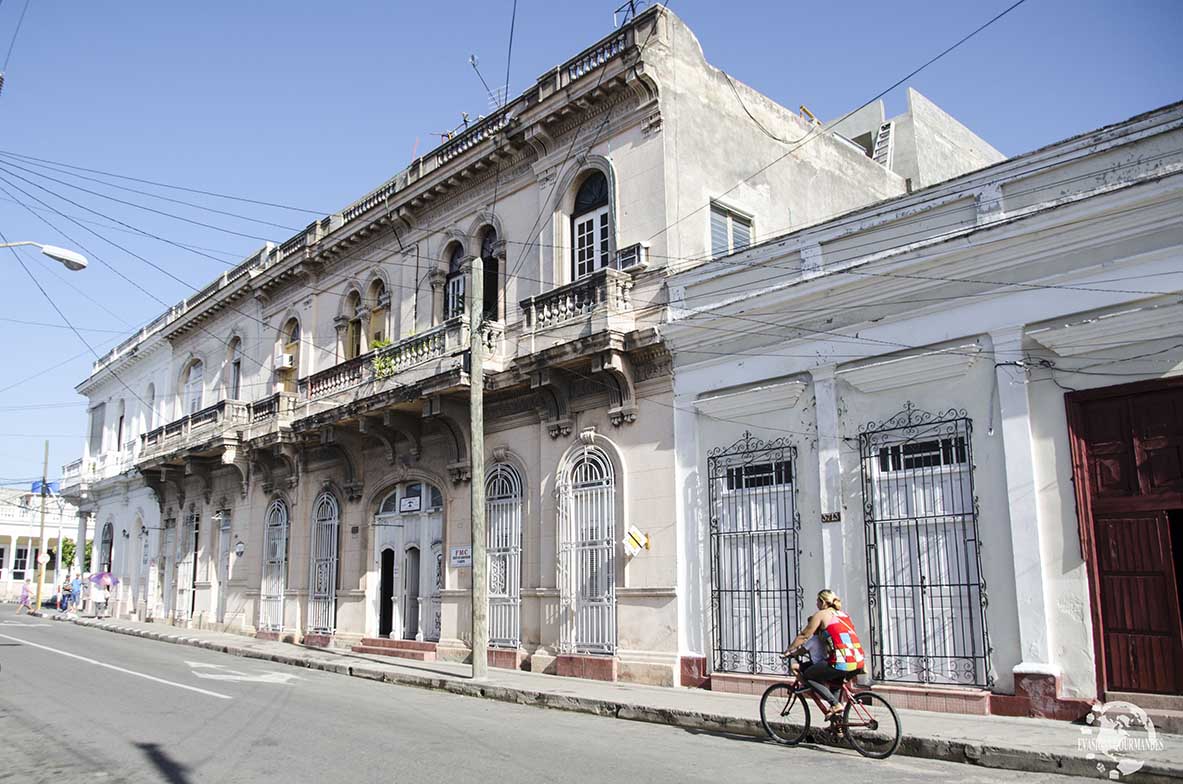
(202, 431)
(600, 302)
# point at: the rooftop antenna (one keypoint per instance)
(496, 96)
(627, 11)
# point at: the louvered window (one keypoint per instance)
(730, 231)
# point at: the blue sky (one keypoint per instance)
(312, 105)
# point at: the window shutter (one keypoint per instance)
(720, 246)
(741, 233)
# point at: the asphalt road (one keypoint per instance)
(168, 713)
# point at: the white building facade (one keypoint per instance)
(962, 410)
(20, 540)
(294, 459)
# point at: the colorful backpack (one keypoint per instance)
(842, 644)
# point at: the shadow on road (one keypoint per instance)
(173, 771)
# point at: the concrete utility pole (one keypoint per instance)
(476, 417)
(42, 556)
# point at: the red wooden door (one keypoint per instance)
(1139, 604)
(1128, 445)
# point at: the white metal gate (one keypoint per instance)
(275, 567)
(223, 563)
(322, 583)
(503, 515)
(186, 556)
(587, 554)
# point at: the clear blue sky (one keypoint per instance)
(313, 104)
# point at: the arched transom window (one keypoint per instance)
(591, 226)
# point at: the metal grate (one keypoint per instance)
(755, 582)
(322, 581)
(587, 554)
(275, 567)
(924, 574)
(503, 503)
(186, 561)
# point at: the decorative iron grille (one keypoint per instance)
(275, 567)
(186, 560)
(755, 582)
(503, 494)
(587, 554)
(322, 582)
(924, 571)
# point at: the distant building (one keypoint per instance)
(293, 458)
(20, 544)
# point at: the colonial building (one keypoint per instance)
(293, 457)
(962, 409)
(20, 540)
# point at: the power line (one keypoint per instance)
(167, 185)
(15, 34)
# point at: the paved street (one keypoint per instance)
(179, 714)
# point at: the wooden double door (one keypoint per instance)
(1127, 445)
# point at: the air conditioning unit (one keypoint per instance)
(284, 361)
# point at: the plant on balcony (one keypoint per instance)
(383, 365)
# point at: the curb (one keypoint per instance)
(965, 752)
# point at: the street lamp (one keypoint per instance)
(71, 260)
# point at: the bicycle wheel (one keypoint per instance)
(785, 715)
(871, 725)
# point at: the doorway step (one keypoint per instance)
(403, 649)
(1165, 710)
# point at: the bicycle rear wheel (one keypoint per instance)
(785, 715)
(872, 725)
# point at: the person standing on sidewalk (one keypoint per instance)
(76, 593)
(26, 597)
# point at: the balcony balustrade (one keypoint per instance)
(599, 301)
(276, 407)
(193, 430)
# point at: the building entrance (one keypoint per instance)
(408, 554)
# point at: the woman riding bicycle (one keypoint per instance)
(843, 657)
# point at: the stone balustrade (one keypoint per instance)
(337, 378)
(606, 291)
(193, 428)
(278, 406)
(593, 58)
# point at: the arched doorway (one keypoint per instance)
(409, 524)
(587, 553)
(386, 593)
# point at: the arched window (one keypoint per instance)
(503, 516)
(591, 226)
(106, 544)
(150, 408)
(275, 566)
(491, 291)
(379, 302)
(322, 582)
(353, 339)
(587, 553)
(234, 370)
(287, 358)
(194, 388)
(454, 288)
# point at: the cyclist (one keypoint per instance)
(843, 656)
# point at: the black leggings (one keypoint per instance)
(819, 675)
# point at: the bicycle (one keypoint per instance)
(868, 721)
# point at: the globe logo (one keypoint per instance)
(1117, 737)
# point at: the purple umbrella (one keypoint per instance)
(105, 579)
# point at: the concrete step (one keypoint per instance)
(406, 645)
(1168, 702)
(398, 653)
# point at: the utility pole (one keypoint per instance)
(476, 418)
(42, 556)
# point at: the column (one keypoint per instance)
(829, 458)
(57, 551)
(9, 562)
(1026, 541)
(437, 278)
(80, 543)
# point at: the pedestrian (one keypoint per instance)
(76, 592)
(26, 597)
(87, 592)
(62, 595)
(102, 596)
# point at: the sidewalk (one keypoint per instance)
(1033, 745)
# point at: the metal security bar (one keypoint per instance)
(275, 567)
(168, 567)
(503, 504)
(587, 554)
(754, 527)
(322, 582)
(924, 572)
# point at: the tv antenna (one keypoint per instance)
(627, 11)
(496, 96)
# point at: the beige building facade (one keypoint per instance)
(295, 461)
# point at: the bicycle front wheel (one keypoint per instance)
(872, 725)
(784, 714)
